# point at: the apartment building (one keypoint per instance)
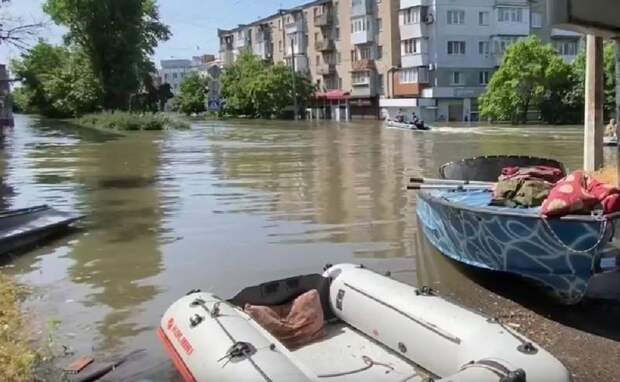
(174, 71)
(431, 57)
(345, 46)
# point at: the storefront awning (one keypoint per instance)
(333, 95)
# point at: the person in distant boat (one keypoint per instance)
(414, 119)
(399, 117)
(611, 130)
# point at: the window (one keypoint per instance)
(174, 75)
(165, 76)
(365, 53)
(483, 48)
(381, 85)
(503, 43)
(379, 52)
(413, 76)
(280, 24)
(484, 77)
(566, 48)
(456, 47)
(361, 78)
(280, 45)
(379, 25)
(510, 15)
(337, 34)
(316, 36)
(456, 78)
(411, 16)
(359, 25)
(483, 18)
(537, 20)
(339, 83)
(318, 60)
(338, 58)
(411, 46)
(456, 17)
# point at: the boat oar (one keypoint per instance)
(456, 187)
(448, 181)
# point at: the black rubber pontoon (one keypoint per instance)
(489, 168)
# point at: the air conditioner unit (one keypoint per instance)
(429, 19)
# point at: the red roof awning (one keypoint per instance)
(333, 95)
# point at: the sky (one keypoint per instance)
(193, 23)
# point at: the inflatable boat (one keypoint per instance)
(407, 125)
(377, 329)
(610, 141)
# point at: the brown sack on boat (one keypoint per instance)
(295, 324)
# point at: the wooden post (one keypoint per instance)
(618, 106)
(593, 142)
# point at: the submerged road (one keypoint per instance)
(229, 204)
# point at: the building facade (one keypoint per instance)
(370, 58)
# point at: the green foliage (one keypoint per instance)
(118, 38)
(124, 121)
(532, 75)
(56, 82)
(256, 88)
(193, 96)
(578, 92)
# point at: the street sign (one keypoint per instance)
(214, 105)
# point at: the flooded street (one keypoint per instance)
(219, 207)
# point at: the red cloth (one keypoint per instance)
(579, 193)
(546, 173)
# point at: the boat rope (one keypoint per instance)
(430, 326)
(202, 303)
(367, 360)
(602, 235)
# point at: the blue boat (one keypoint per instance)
(561, 254)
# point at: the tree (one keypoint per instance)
(579, 68)
(56, 82)
(164, 93)
(193, 96)
(530, 75)
(260, 89)
(16, 32)
(118, 37)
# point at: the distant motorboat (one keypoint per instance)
(408, 125)
(23, 228)
(610, 141)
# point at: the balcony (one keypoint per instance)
(362, 37)
(363, 65)
(243, 42)
(409, 31)
(301, 63)
(414, 60)
(263, 50)
(227, 56)
(324, 20)
(404, 4)
(561, 33)
(296, 26)
(324, 45)
(325, 69)
(361, 7)
(512, 3)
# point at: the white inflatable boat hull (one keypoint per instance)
(387, 331)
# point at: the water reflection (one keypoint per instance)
(222, 206)
(121, 251)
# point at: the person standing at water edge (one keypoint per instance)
(612, 129)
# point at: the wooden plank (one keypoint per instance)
(594, 94)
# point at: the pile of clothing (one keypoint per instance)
(577, 193)
(525, 186)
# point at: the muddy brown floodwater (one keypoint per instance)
(228, 204)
